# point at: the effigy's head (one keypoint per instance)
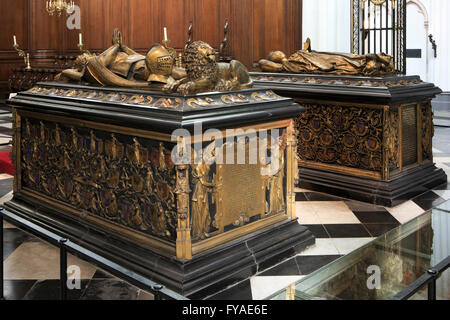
(277, 56)
(160, 63)
(82, 60)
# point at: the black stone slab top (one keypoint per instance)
(389, 89)
(164, 112)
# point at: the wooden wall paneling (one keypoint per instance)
(99, 18)
(271, 24)
(297, 23)
(141, 24)
(46, 31)
(241, 30)
(207, 22)
(94, 14)
(175, 15)
(15, 21)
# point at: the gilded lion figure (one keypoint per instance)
(204, 74)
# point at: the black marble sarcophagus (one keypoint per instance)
(98, 166)
(364, 138)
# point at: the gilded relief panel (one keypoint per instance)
(123, 179)
(391, 139)
(341, 135)
(228, 196)
(427, 131)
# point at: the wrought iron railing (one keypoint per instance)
(428, 279)
(66, 246)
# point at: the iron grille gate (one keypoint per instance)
(380, 26)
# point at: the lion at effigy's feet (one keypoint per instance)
(204, 74)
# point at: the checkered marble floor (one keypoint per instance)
(340, 226)
(5, 128)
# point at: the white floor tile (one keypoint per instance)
(334, 212)
(321, 247)
(406, 211)
(445, 194)
(441, 159)
(347, 245)
(4, 176)
(301, 190)
(40, 261)
(306, 213)
(263, 287)
(6, 198)
(7, 225)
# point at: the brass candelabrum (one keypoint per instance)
(59, 6)
(26, 56)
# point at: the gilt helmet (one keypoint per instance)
(160, 63)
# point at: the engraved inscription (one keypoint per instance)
(409, 135)
(243, 192)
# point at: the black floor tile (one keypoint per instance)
(9, 248)
(100, 274)
(300, 196)
(375, 217)
(241, 291)
(287, 268)
(6, 185)
(17, 289)
(364, 207)
(378, 229)
(428, 200)
(109, 289)
(16, 235)
(317, 230)
(309, 264)
(346, 231)
(6, 131)
(315, 196)
(50, 290)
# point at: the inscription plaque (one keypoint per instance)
(241, 190)
(409, 134)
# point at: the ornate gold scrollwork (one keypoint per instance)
(391, 142)
(341, 135)
(427, 131)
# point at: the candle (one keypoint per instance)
(165, 34)
(15, 40)
(81, 39)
